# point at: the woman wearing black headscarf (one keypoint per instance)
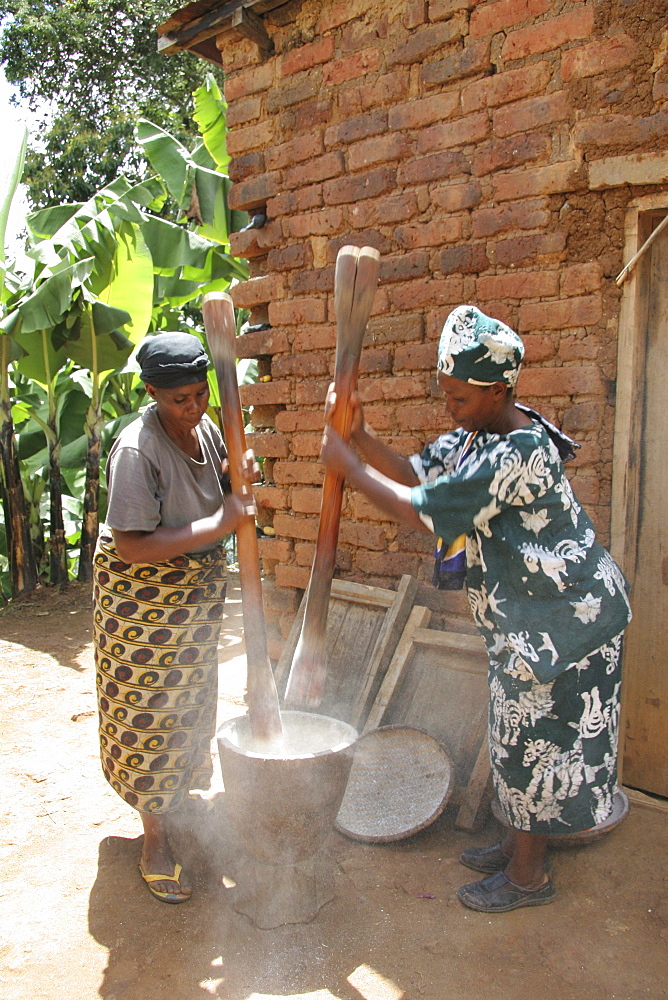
(159, 592)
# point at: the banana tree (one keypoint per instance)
(22, 572)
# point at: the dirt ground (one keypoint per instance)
(76, 921)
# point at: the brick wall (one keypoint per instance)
(488, 149)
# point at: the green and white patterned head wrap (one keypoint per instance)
(478, 349)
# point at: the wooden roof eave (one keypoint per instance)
(197, 35)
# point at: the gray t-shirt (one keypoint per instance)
(152, 482)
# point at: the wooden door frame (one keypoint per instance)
(627, 453)
(629, 402)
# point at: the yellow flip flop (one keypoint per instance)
(161, 894)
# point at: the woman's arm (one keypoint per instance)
(377, 454)
(166, 543)
(394, 498)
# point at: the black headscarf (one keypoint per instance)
(169, 360)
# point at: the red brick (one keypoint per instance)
(511, 152)
(351, 67)
(423, 111)
(250, 81)
(384, 210)
(549, 34)
(462, 132)
(245, 110)
(294, 311)
(404, 267)
(291, 576)
(568, 175)
(467, 259)
(534, 112)
(257, 290)
(415, 357)
(299, 420)
(578, 348)
(440, 9)
(620, 130)
(356, 128)
(383, 91)
(429, 234)
(246, 245)
(374, 360)
(333, 15)
(251, 345)
(304, 553)
(520, 250)
(415, 13)
(312, 365)
(598, 57)
(363, 510)
(287, 526)
(306, 445)
(561, 315)
(427, 417)
(307, 56)
(249, 165)
(436, 167)
(537, 347)
(306, 501)
(286, 154)
(397, 387)
(320, 168)
(363, 32)
(426, 293)
(422, 42)
(660, 88)
(315, 338)
(503, 14)
(530, 214)
(587, 489)
(396, 329)
(259, 135)
(302, 88)
(386, 564)
(472, 60)
(362, 536)
(324, 223)
(578, 279)
(369, 184)
(502, 88)
(379, 149)
(274, 549)
(518, 285)
(264, 393)
(288, 258)
(271, 496)
(253, 193)
(571, 380)
(287, 473)
(305, 116)
(582, 417)
(311, 393)
(457, 197)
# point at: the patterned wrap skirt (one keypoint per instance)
(156, 634)
(553, 746)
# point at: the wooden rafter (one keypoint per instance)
(192, 26)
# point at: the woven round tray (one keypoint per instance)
(400, 781)
(620, 809)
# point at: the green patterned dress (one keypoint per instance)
(551, 605)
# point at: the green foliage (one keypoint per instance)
(91, 68)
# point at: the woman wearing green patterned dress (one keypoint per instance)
(550, 602)
(160, 579)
